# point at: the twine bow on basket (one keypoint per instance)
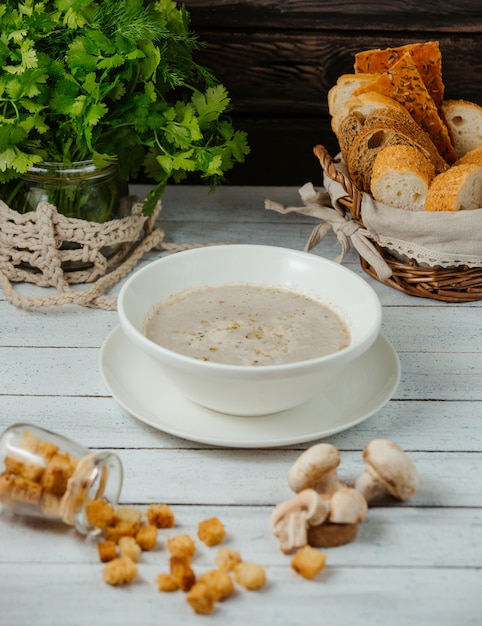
(317, 204)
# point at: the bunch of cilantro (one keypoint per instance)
(113, 81)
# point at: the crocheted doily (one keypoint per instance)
(45, 247)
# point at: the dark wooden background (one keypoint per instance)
(279, 58)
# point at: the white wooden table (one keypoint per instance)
(416, 563)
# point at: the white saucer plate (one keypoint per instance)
(143, 391)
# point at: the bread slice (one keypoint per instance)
(392, 119)
(348, 130)
(457, 189)
(341, 92)
(472, 156)
(362, 105)
(365, 149)
(404, 84)
(404, 122)
(383, 128)
(352, 115)
(426, 56)
(464, 120)
(401, 177)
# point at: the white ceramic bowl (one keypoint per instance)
(241, 389)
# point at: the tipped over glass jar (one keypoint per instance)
(47, 475)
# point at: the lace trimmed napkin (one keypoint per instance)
(439, 239)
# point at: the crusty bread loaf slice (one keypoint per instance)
(388, 117)
(382, 128)
(464, 120)
(365, 149)
(362, 105)
(472, 156)
(404, 122)
(404, 84)
(401, 176)
(426, 56)
(341, 92)
(457, 189)
(349, 129)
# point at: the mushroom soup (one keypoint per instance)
(246, 325)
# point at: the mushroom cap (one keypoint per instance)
(312, 466)
(348, 506)
(392, 466)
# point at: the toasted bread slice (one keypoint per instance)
(404, 84)
(426, 56)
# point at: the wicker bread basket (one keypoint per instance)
(455, 284)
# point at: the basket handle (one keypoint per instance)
(354, 196)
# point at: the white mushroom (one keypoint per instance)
(388, 470)
(348, 506)
(291, 519)
(316, 469)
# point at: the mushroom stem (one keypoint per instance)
(369, 485)
(291, 519)
(348, 506)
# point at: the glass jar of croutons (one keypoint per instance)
(47, 475)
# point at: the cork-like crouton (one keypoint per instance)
(130, 548)
(120, 571)
(58, 471)
(6, 484)
(220, 583)
(182, 572)
(201, 599)
(47, 449)
(100, 513)
(181, 545)
(249, 575)
(32, 470)
(226, 559)
(211, 531)
(160, 515)
(308, 562)
(107, 550)
(24, 461)
(126, 523)
(146, 537)
(50, 504)
(25, 490)
(165, 582)
(130, 515)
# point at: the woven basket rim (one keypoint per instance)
(459, 284)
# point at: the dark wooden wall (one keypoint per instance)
(279, 58)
